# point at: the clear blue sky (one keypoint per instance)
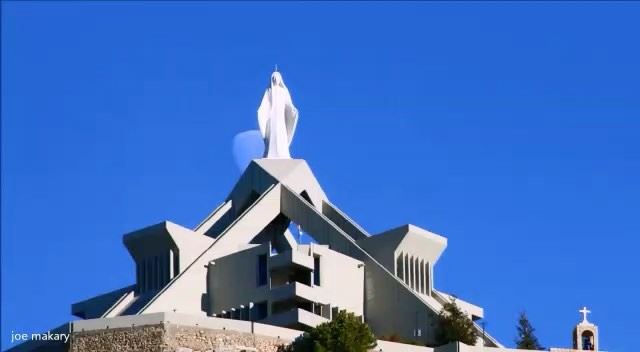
(513, 129)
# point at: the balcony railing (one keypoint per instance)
(314, 294)
(289, 258)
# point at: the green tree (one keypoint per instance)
(455, 325)
(526, 340)
(345, 333)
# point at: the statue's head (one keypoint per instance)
(276, 79)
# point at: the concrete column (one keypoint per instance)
(406, 268)
(425, 275)
(417, 269)
(411, 272)
(412, 269)
(167, 266)
(424, 279)
(418, 278)
(421, 275)
(428, 278)
(171, 273)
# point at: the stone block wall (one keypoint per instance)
(148, 338)
(191, 338)
(171, 338)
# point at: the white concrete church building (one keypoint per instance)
(243, 269)
(243, 261)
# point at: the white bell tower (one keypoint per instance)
(585, 334)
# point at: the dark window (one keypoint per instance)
(165, 265)
(138, 277)
(400, 266)
(176, 264)
(317, 309)
(316, 271)
(147, 274)
(260, 311)
(262, 270)
(282, 306)
(156, 273)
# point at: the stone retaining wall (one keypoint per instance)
(198, 339)
(170, 338)
(148, 338)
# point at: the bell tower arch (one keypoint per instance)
(585, 334)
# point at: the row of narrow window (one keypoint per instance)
(414, 271)
(153, 272)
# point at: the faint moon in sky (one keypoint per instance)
(247, 146)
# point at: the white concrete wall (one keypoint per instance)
(341, 278)
(232, 280)
(190, 244)
(343, 221)
(185, 292)
(213, 217)
(382, 248)
(388, 346)
(390, 307)
(95, 307)
(465, 348)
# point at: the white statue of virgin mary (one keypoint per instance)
(277, 119)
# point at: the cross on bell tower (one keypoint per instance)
(584, 312)
(585, 334)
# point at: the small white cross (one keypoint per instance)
(584, 312)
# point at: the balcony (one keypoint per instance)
(295, 318)
(291, 258)
(298, 291)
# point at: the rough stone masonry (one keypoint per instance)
(171, 338)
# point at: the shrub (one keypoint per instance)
(345, 333)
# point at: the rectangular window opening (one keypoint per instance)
(260, 310)
(316, 271)
(262, 270)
